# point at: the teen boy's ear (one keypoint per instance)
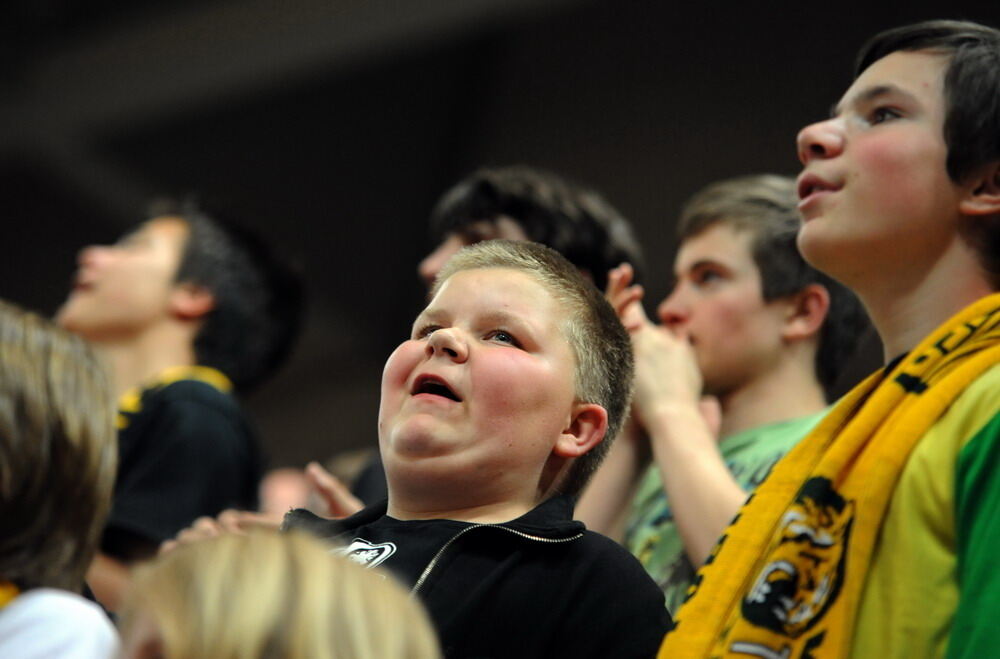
(983, 195)
(191, 301)
(807, 310)
(586, 429)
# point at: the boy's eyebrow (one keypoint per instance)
(502, 317)
(498, 316)
(428, 314)
(699, 264)
(867, 95)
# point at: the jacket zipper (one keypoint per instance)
(437, 557)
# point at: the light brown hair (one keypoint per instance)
(58, 452)
(764, 206)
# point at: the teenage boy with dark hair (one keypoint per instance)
(57, 468)
(186, 309)
(749, 323)
(527, 203)
(875, 536)
(491, 421)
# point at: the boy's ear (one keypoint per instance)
(807, 310)
(191, 301)
(586, 429)
(983, 196)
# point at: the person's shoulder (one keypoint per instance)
(983, 388)
(197, 400)
(594, 542)
(196, 391)
(609, 558)
(47, 622)
(974, 408)
(608, 577)
(300, 519)
(187, 411)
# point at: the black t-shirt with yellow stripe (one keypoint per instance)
(185, 450)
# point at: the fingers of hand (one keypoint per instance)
(203, 528)
(231, 521)
(630, 312)
(339, 500)
(241, 521)
(619, 278)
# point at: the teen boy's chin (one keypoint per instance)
(817, 244)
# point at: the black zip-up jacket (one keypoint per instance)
(537, 586)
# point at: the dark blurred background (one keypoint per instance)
(333, 125)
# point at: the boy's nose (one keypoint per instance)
(672, 311)
(446, 342)
(823, 139)
(91, 255)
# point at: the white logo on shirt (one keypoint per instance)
(367, 554)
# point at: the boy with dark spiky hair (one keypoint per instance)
(527, 203)
(875, 536)
(187, 310)
(493, 416)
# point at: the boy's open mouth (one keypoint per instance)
(809, 184)
(429, 384)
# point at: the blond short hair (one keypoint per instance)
(58, 452)
(601, 347)
(275, 595)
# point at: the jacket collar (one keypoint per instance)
(553, 518)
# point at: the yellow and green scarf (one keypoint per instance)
(786, 577)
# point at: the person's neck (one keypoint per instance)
(483, 509)
(486, 498)
(907, 309)
(496, 513)
(787, 392)
(136, 360)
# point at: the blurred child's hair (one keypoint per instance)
(269, 594)
(58, 452)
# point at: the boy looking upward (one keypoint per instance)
(513, 203)
(185, 309)
(875, 535)
(752, 325)
(492, 418)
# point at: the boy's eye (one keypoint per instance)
(882, 114)
(503, 337)
(425, 331)
(703, 277)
